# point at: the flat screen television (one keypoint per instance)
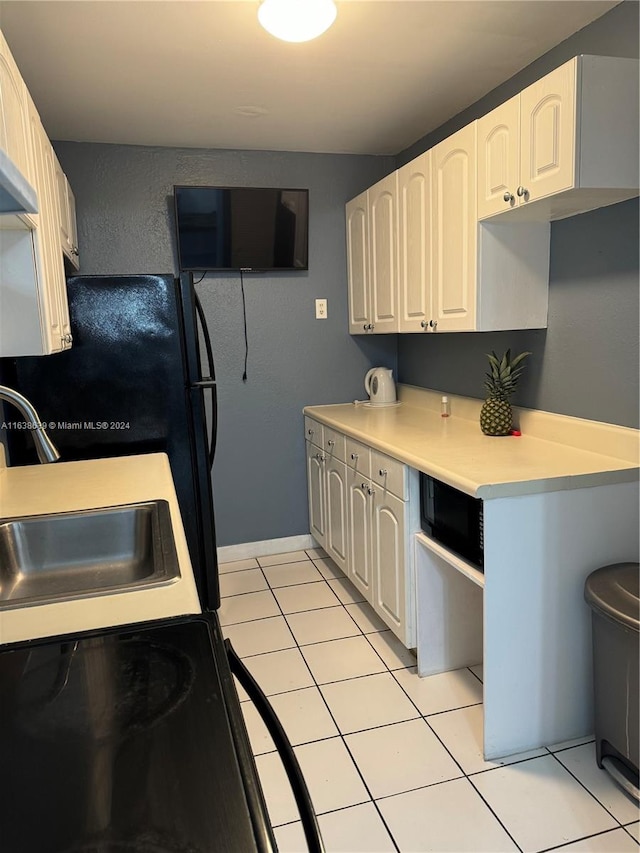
(242, 228)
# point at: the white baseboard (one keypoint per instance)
(245, 550)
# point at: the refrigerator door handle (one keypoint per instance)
(285, 751)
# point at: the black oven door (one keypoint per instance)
(127, 739)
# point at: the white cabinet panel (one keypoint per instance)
(548, 122)
(316, 493)
(359, 518)
(358, 264)
(336, 492)
(414, 244)
(454, 231)
(14, 116)
(67, 216)
(383, 253)
(389, 560)
(499, 158)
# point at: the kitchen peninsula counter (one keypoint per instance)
(558, 502)
(97, 483)
(555, 452)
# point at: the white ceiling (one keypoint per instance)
(205, 74)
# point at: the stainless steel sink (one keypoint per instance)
(48, 558)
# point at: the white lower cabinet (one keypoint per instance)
(336, 491)
(327, 496)
(360, 570)
(316, 493)
(389, 558)
(364, 527)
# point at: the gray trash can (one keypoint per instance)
(614, 597)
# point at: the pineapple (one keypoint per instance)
(495, 416)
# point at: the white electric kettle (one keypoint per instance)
(379, 385)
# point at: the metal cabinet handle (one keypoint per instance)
(433, 324)
(365, 327)
(382, 472)
(74, 251)
(424, 324)
(68, 339)
(310, 431)
(331, 442)
(508, 197)
(371, 491)
(363, 486)
(522, 191)
(354, 456)
(371, 326)
(320, 457)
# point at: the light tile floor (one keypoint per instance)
(394, 762)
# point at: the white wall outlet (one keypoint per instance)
(321, 309)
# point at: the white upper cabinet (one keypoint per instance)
(358, 264)
(454, 231)
(382, 204)
(14, 118)
(414, 244)
(499, 158)
(34, 314)
(372, 258)
(51, 289)
(565, 145)
(548, 135)
(67, 217)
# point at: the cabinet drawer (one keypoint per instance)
(334, 443)
(313, 431)
(390, 474)
(359, 457)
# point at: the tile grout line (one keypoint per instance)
(318, 687)
(340, 734)
(609, 812)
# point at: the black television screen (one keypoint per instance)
(248, 228)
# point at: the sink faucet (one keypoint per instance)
(44, 446)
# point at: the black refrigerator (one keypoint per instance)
(133, 383)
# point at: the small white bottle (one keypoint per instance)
(445, 408)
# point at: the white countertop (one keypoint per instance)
(67, 486)
(455, 450)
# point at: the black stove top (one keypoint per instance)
(120, 741)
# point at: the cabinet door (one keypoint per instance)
(49, 264)
(358, 265)
(316, 493)
(383, 253)
(414, 244)
(15, 139)
(336, 527)
(548, 129)
(359, 517)
(73, 228)
(389, 561)
(499, 158)
(66, 215)
(63, 207)
(454, 230)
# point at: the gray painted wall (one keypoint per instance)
(585, 363)
(124, 200)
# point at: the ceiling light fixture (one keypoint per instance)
(297, 20)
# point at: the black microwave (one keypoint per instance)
(452, 518)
